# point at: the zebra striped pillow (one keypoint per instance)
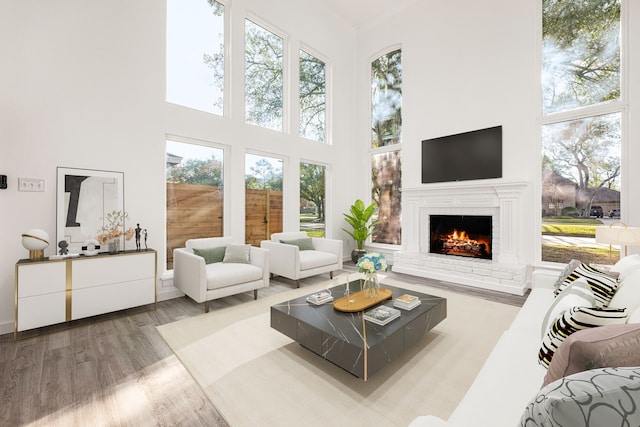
(576, 319)
(602, 285)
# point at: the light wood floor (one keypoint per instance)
(118, 371)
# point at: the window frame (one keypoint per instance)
(286, 78)
(328, 140)
(373, 151)
(620, 106)
(226, 177)
(226, 28)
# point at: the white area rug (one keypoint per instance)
(255, 376)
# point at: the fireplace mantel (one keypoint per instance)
(502, 201)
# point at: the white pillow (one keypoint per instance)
(628, 293)
(577, 294)
(237, 254)
(627, 266)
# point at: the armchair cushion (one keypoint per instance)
(314, 259)
(223, 274)
(237, 254)
(305, 244)
(211, 255)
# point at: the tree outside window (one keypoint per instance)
(312, 199)
(264, 77)
(312, 97)
(386, 176)
(386, 99)
(386, 137)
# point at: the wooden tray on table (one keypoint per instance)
(358, 301)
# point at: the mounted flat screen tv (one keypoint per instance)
(463, 157)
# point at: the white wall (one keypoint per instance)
(83, 86)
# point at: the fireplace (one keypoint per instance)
(502, 270)
(461, 235)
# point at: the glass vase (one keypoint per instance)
(371, 286)
(113, 246)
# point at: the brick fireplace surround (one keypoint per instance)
(505, 272)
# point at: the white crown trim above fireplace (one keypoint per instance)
(505, 272)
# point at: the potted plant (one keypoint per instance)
(358, 219)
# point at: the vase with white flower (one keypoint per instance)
(370, 264)
(113, 230)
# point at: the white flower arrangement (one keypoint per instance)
(371, 262)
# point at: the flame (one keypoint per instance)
(460, 240)
(462, 235)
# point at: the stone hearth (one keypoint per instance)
(505, 272)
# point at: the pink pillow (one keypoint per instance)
(601, 347)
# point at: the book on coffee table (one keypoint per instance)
(320, 298)
(381, 315)
(406, 302)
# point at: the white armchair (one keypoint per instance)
(203, 282)
(288, 260)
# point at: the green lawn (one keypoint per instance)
(576, 227)
(579, 227)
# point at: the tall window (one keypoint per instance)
(195, 54)
(263, 198)
(194, 194)
(264, 77)
(386, 138)
(312, 97)
(581, 125)
(312, 199)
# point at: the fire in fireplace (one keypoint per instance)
(461, 235)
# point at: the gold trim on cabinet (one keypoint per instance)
(69, 290)
(69, 286)
(15, 307)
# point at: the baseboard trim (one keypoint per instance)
(6, 328)
(167, 294)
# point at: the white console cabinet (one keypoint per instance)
(55, 291)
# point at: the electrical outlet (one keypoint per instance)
(30, 184)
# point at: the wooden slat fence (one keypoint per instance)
(195, 211)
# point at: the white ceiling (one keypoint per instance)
(360, 13)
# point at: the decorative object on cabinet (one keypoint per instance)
(3, 182)
(112, 232)
(64, 247)
(90, 247)
(56, 291)
(84, 199)
(35, 241)
(139, 233)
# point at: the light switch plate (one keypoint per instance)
(30, 184)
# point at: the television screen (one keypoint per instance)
(462, 157)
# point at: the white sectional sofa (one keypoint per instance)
(511, 376)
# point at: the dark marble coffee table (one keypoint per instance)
(346, 339)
